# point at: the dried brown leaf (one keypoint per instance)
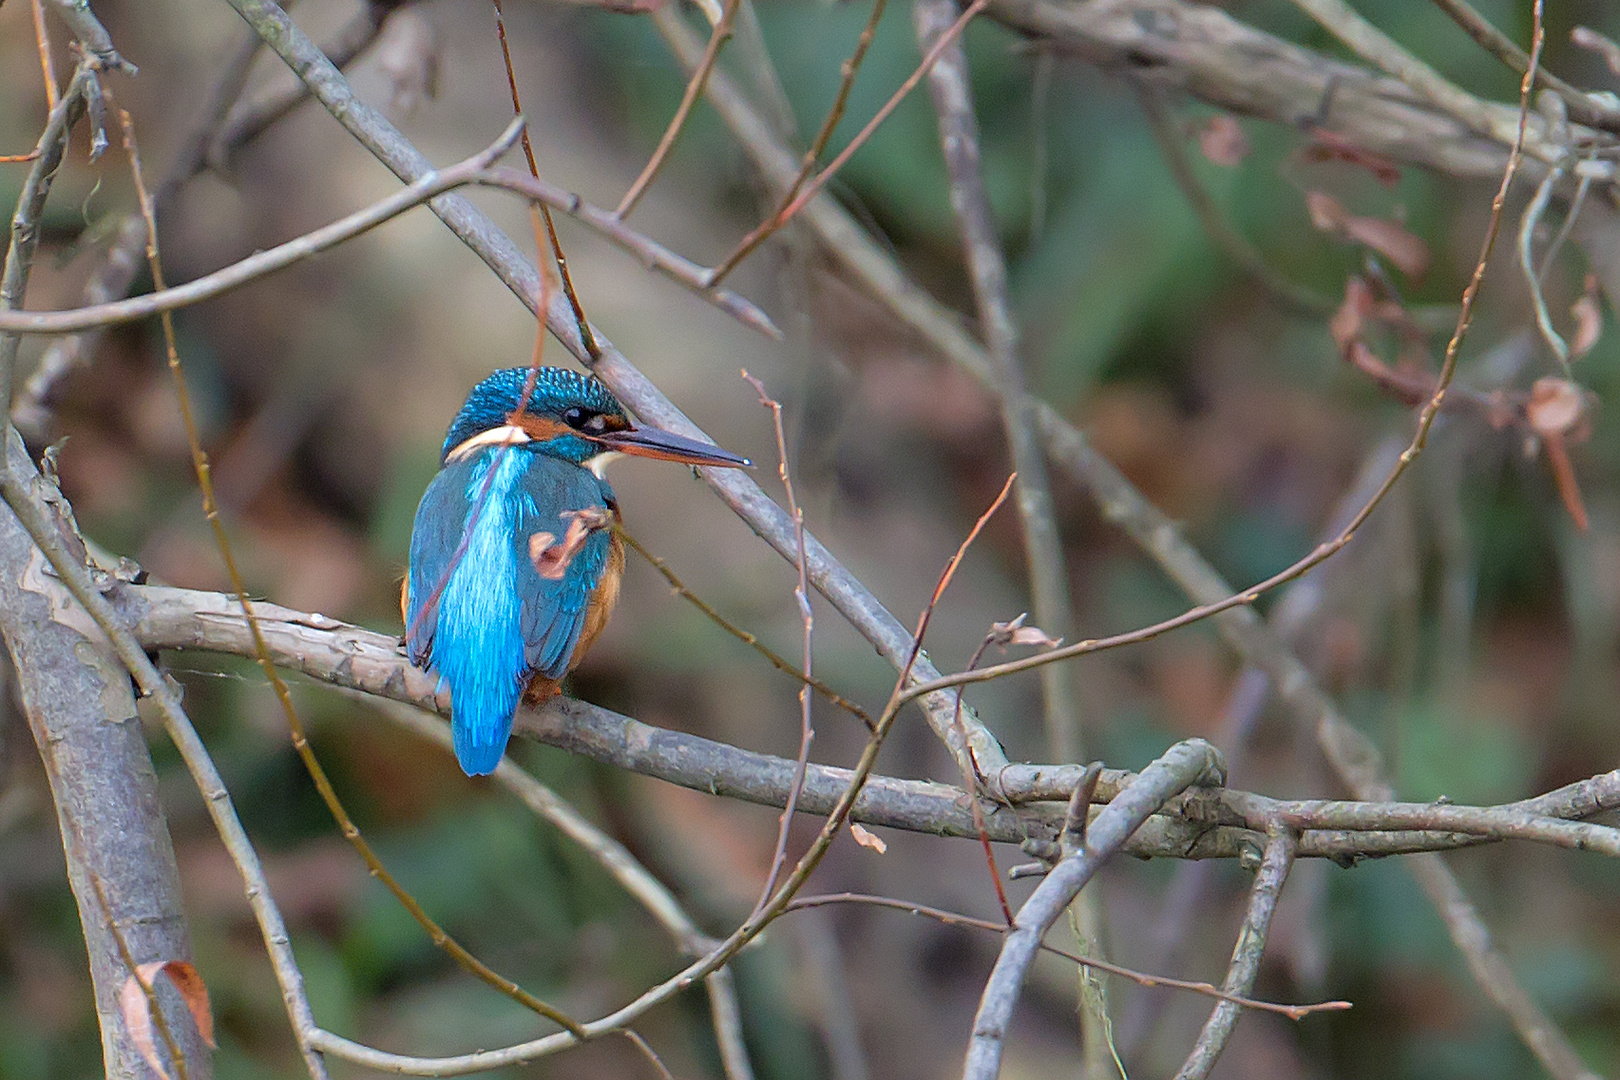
(1223, 140)
(1350, 320)
(1409, 253)
(1388, 238)
(867, 839)
(1588, 315)
(1564, 476)
(136, 1009)
(1330, 146)
(551, 559)
(1327, 215)
(1555, 407)
(1014, 632)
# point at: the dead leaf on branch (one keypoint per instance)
(1356, 317)
(1014, 632)
(866, 838)
(1223, 140)
(1588, 315)
(1407, 252)
(136, 1008)
(550, 558)
(1557, 413)
(1330, 146)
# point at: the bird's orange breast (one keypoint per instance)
(597, 612)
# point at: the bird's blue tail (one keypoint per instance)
(481, 741)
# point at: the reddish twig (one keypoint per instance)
(47, 66)
(801, 596)
(557, 253)
(952, 918)
(694, 87)
(819, 144)
(809, 190)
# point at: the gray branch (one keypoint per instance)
(1245, 965)
(1184, 764)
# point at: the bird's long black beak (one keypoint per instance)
(667, 446)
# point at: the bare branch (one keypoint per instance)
(694, 89)
(473, 171)
(92, 36)
(1183, 765)
(1245, 965)
(1584, 107)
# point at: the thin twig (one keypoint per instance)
(1271, 84)
(92, 36)
(971, 783)
(952, 95)
(581, 322)
(473, 171)
(25, 503)
(953, 918)
(1322, 552)
(1183, 765)
(847, 594)
(722, 953)
(1376, 47)
(1584, 107)
(24, 230)
(358, 659)
(621, 865)
(1221, 231)
(47, 65)
(148, 990)
(809, 189)
(124, 256)
(801, 597)
(778, 662)
(247, 122)
(1527, 236)
(819, 144)
(694, 88)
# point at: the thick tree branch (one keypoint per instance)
(78, 699)
(1203, 824)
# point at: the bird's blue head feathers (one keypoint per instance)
(560, 403)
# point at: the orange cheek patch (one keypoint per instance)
(539, 428)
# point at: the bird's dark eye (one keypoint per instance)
(575, 417)
(586, 420)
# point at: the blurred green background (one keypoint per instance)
(1470, 630)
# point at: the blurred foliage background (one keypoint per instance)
(1471, 630)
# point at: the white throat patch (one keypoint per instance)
(505, 435)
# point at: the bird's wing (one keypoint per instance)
(441, 525)
(557, 571)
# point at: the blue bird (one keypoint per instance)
(514, 564)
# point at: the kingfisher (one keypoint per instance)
(514, 565)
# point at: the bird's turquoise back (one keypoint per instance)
(496, 621)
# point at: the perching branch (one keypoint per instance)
(1205, 825)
